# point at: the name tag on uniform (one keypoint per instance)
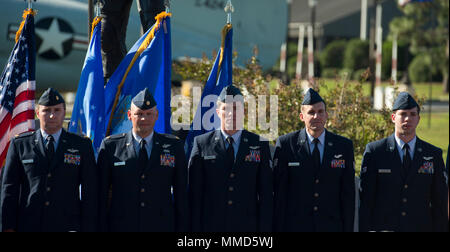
(384, 171)
(291, 164)
(27, 161)
(209, 157)
(119, 163)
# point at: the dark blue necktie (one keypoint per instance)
(50, 147)
(230, 151)
(316, 154)
(406, 159)
(143, 156)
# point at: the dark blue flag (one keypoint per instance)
(221, 76)
(147, 65)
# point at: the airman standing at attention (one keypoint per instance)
(143, 176)
(314, 175)
(403, 186)
(43, 173)
(230, 175)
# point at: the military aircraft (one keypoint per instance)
(62, 33)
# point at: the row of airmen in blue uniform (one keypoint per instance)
(143, 182)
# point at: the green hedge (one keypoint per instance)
(356, 55)
(333, 54)
(419, 69)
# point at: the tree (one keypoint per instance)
(425, 27)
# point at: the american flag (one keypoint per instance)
(17, 88)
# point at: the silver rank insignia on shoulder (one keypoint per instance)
(209, 157)
(28, 161)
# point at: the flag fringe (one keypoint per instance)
(24, 16)
(94, 23)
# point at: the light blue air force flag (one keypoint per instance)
(88, 116)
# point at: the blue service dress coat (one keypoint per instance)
(391, 201)
(230, 199)
(314, 201)
(138, 198)
(43, 196)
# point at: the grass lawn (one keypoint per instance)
(438, 133)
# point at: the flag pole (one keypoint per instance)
(97, 9)
(167, 4)
(229, 9)
(30, 4)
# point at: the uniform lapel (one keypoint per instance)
(391, 148)
(39, 148)
(155, 159)
(39, 143)
(327, 150)
(243, 149)
(129, 145)
(219, 144)
(417, 159)
(131, 155)
(59, 153)
(302, 147)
